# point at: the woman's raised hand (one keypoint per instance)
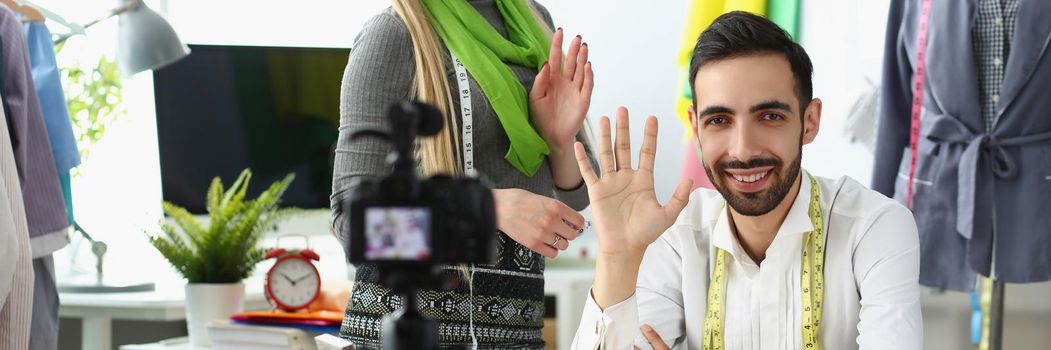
(561, 93)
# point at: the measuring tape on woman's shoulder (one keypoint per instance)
(466, 116)
(467, 136)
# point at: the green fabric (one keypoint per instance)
(485, 54)
(67, 194)
(687, 90)
(786, 14)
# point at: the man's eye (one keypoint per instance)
(773, 116)
(717, 121)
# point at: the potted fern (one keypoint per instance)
(215, 257)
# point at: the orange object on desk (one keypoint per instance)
(323, 315)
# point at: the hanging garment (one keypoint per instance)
(9, 240)
(980, 198)
(786, 13)
(41, 191)
(64, 150)
(692, 168)
(991, 34)
(45, 208)
(16, 309)
(53, 105)
(44, 325)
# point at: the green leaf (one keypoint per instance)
(193, 229)
(214, 201)
(238, 189)
(94, 99)
(227, 249)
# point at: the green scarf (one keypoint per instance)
(485, 54)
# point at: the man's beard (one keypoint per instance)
(756, 203)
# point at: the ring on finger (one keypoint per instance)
(558, 238)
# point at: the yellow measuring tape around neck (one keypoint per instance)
(812, 280)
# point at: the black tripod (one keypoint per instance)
(406, 328)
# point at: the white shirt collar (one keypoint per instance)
(796, 223)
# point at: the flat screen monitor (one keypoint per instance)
(274, 110)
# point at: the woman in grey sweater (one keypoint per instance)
(404, 53)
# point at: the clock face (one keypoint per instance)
(293, 283)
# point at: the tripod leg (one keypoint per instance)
(996, 317)
(407, 329)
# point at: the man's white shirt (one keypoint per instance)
(872, 294)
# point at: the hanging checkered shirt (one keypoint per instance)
(992, 34)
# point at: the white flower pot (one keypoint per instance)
(208, 302)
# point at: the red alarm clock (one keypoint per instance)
(293, 282)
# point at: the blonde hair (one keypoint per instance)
(436, 154)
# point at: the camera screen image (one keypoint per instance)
(397, 233)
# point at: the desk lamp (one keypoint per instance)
(145, 41)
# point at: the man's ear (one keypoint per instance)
(811, 120)
(691, 111)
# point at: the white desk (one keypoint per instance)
(167, 303)
(569, 286)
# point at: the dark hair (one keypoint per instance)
(739, 33)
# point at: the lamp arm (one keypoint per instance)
(76, 227)
(129, 6)
(98, 248)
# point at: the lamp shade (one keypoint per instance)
(146, 41)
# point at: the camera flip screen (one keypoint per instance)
(397, 233)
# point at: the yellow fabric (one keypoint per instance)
(985, 302)
(700, 14)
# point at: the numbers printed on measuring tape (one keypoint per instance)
(466, 116)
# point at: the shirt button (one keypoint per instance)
(996, 98)
(999, 21)
(997, 61)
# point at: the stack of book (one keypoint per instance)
(273, 330)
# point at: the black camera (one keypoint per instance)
(409, 227)
(400, 221)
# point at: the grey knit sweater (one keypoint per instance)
(507, 306)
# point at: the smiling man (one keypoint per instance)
(777, 258)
